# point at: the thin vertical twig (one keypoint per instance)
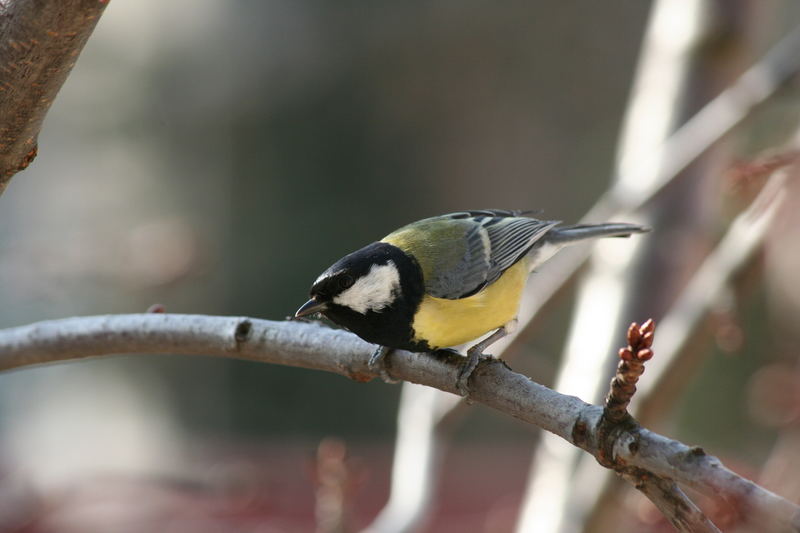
(665, 494)
(629, 370)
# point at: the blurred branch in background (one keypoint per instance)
(562, 488)
(336, 478)
(41, 41)
(628, 194)
(618, 444)
(773, 391)
(680, 150)
(691, 51)
(418, 454)
(738, 247)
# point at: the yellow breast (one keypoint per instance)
(442, 323)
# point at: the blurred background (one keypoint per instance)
(214, 157)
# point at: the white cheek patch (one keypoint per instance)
(373, 292)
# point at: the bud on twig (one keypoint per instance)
(631, 366)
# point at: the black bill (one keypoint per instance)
(309, 308)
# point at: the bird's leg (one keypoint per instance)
(377, 363)
(475, 353)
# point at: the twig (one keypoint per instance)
(659, 486)
(663, 492)
(761, 168)
(692, 467)
(39, 43)
(312, 346)
(671, 501)
(630, 368)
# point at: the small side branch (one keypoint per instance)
(671, 501)
(630, 368)
(662, 491)
(39, 44)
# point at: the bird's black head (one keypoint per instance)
(374, 292)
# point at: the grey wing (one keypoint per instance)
(495, 241)
(511, 238)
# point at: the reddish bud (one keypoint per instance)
(647, 340)
(625, 354)
(645, 354)
(633, 334)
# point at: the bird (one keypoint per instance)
(444, 281)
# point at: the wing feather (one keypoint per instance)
(495, 240)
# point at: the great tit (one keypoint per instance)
(444, 281)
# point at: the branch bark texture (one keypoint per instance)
(40, 40)
(671, 501)
(316, 347)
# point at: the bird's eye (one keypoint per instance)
(346, 281)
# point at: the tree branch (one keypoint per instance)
(39, 43)
(316, 347)
(671, 501)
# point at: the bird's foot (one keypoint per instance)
(377, 363)
(474, 358)
(475, 355)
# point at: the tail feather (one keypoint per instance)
(578, 232)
